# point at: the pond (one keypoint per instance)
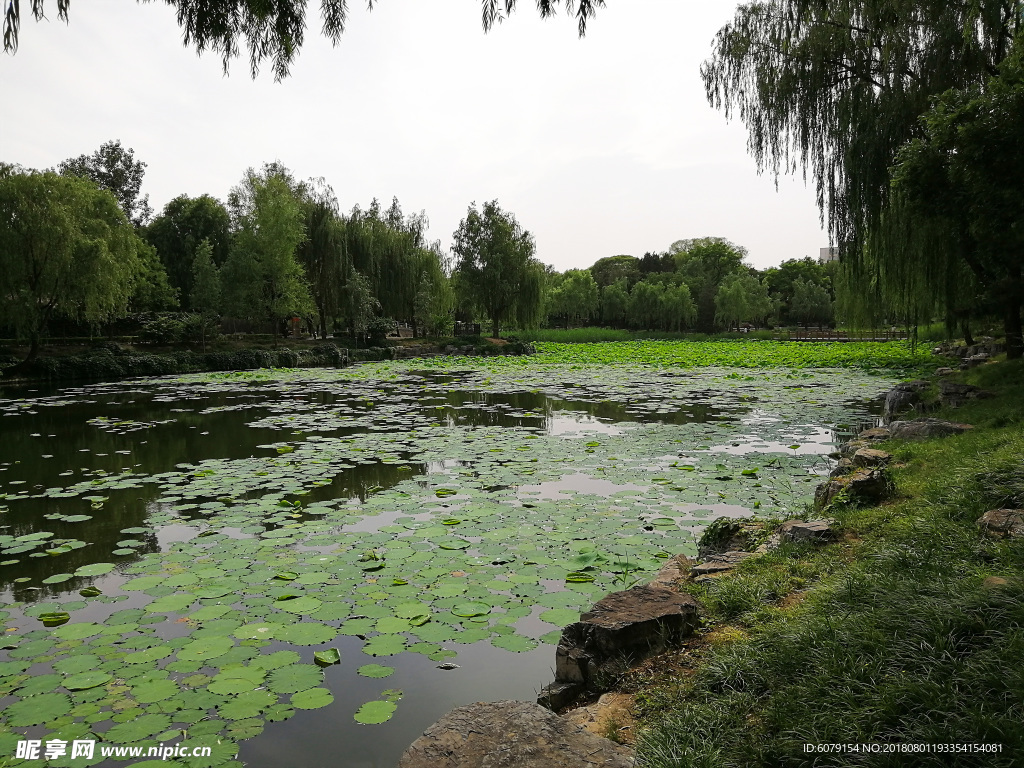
(180, 557)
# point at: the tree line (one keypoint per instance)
(701, 284)
(80, 242)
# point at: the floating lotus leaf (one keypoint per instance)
(205, 648)
(148, 655)
(95, 569)
(293, 678)
(375, 670)
(560, 616)
(54, 618)
(327, 658)
(77, 631)
(276, 660)
(300, 605)
(472, 608)
(257, 631)
(137, 729)
(384, 645)
(58, 578)
(157, 690)
(246, 705)
(171, 603)
(375, 712)
(245, 729)
(85, 680)
(307, 633)
(34, 710)
(578, 577)
(391, 625)
(314, 698)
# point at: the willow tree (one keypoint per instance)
(323, 253)
(962, 183)
(835, 88)
(273, 30)
(66, 250)
(262, 278)
(497, 272)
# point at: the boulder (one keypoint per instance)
(875, 434)
(944, 371)
(870, 457)
(672, 573)
(842, 467)
(903, 397)
(511, 733)
(974, 361)
(727, 534)
(627, 625)
(860, 486)
(1003, 523)
(922, 429)
(719, 563)
(612, 713)
(954, 393)
(802, 531)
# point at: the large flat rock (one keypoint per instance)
(511, 734)
(627, 625)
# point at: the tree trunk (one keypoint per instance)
(494, 329)
(1012, 326)
(965, 327)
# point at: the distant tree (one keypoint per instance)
(644, 308)
(781, 278)
(615, 303)
(577, 297)
(66, 249)
(704, 264)
(611, 269)
(652, 263)
(323, 253)
(811, 303)
(152, 290)
(275, 31)
(360, 305)
(262, 278)
(435, 300)
(742, 298)
(206, 289)
(177, 232)
(114, 168)
(497, 271)
(677, 308)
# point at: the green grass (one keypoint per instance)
(900, 640)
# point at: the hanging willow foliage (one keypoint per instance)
(834, 88)
(275, 30)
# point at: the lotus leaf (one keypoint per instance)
(375, 712)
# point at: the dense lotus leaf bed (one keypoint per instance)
(524, 492)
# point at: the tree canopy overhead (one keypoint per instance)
(275, 31)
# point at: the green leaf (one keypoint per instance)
(375, 670)
(293, 678)
(375, 712)
(37, 709)
(314, 698)
(85, 680)
(328, 657)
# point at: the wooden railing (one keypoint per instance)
(812, 334)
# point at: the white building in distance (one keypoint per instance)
(825, 255)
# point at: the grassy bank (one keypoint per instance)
(907, 631)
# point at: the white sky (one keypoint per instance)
(599, 146)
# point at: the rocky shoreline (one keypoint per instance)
(624, 628)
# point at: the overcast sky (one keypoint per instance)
(599, 146)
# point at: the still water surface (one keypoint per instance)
(424, 516)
